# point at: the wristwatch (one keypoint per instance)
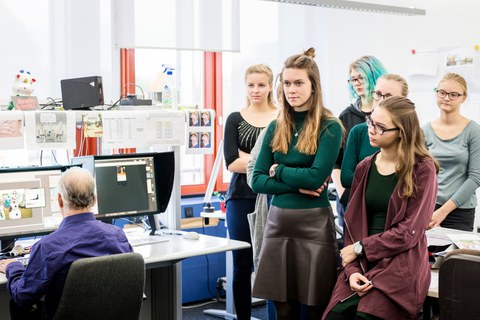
(358, 248)
(271, 172)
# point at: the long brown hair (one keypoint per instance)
(411, 143)
(307, 141)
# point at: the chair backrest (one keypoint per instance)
(459, 285)
(106, 287)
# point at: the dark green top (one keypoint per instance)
(358, 148)
(377, 195)
(297, 170)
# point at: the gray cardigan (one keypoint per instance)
(258, 218)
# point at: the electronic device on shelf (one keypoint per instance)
(82, 93)
(131, 184)
(28, 202)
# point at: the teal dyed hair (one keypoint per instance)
(371, 69)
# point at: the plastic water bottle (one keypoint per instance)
(169, 92)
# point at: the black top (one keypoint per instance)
(239, 135)
(350, 117)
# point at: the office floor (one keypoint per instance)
(195, 310)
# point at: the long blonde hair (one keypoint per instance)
(411, 143)
(317, 113)
(263, 69)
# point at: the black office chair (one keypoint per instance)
(106, 287)
(458, 284)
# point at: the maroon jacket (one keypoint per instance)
(401, 276)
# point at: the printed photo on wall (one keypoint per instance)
(206, 119)
(465, 61)
(11, 130)
(194, 141)
(92, 125)
(50, 130)
(205, 143)
(200, 131)
(194, 119)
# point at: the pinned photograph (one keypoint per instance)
(194, 119)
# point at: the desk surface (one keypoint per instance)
(439, 236)
(177, 248)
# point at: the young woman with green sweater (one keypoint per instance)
(298, 258)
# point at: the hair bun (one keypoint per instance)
(310, 52)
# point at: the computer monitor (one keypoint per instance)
(131, 184)
(28, 202)
(82, 93)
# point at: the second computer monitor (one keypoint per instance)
(131, 184)
(28, 201)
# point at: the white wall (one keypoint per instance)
(391, 39)
(54, 40)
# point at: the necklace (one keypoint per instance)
(297, 132)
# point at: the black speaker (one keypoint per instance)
(82, 93)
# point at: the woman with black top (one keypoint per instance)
(363, 75)
(241, 132)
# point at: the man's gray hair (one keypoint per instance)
(77, 189)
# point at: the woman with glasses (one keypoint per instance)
(386, 272)
(297, 263)
(363, 75)
(358, 145)
(455, 141)
(241, 132)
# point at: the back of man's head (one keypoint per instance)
(77, 189)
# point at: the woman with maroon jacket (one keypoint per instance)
(386, 273)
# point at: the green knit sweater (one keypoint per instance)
(297, 170)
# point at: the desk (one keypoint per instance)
(162, 286)
(437, 236)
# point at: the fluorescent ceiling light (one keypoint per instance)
(358, 6)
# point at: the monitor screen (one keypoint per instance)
(28, 201)
(131, 184)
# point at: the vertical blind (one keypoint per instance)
(206, 25)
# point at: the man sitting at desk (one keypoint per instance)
(79, 236)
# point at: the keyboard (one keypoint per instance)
(146, 240)
(24, 260)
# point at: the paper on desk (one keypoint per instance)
(435, 237)
(465, 240)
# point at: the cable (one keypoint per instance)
(54, 103)
(116, 102)
(9, 247)
(54, 157)
(136, 85)
(217, 297)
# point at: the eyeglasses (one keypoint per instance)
(377, 95)
(380, 130)
(451, 95)
(352, 80)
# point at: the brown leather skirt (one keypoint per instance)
(298, 256)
